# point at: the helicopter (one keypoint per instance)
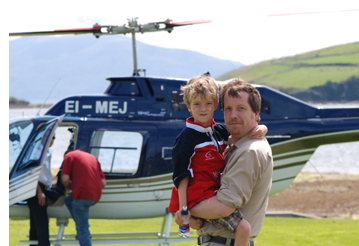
(131, 129)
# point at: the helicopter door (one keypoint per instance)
(26, 171)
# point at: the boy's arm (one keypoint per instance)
(182, 196)
(182, 192)
(259, 132)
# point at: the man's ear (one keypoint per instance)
(215, 108)
(256, 117)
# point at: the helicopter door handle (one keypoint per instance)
(31, 172)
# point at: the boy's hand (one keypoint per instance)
(259, 132)
(178, 217)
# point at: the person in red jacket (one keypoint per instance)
(81, 173)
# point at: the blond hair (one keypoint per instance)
(201, 85)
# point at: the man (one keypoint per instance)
(81, 172)
(247, 177)
(39, 221)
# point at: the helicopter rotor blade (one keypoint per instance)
(132, 27)
(95, 30)
(184, 23)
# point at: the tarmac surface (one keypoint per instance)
(318, 196)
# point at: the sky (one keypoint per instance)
(246, 31)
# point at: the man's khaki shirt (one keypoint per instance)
(245, 183)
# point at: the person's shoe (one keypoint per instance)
(76, 237)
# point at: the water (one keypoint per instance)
(333, 158)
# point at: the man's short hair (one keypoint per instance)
(203, 85)
(234, 86)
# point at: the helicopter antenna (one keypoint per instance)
(38, 113)
(132, 27)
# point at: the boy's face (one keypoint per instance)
(202, 109)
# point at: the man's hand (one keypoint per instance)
(42, 198)
(196, 223)
(104, 183)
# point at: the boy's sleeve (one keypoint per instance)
(181, 156)
(222, 130)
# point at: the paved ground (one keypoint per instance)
(325, 196)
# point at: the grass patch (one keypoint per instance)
(276, 230)
(303, 231)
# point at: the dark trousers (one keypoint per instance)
(39, 222)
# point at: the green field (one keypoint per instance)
(303, 71)
(275, 232)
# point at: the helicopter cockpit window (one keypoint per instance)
(35, 149)
(117, 151)
(265, 107)
(177, 102)
(19, 131)
(125, 88)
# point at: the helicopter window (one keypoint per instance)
(149, 86)
(177, 102)
(265, 107)
(35, 149)
(125, 88)
(117, 151)
(19, 131)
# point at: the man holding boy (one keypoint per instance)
(247, 177)
(198, 156)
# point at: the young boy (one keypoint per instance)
(198, 156)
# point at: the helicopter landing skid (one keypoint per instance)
(165, 237)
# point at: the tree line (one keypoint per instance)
(347, 90)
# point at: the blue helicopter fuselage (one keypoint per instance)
(150, 112)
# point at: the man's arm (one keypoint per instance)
(66, 181)
(211, 209)
(40, 196)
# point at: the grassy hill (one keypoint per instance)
(302, 72)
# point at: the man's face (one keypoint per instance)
(238, 115)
